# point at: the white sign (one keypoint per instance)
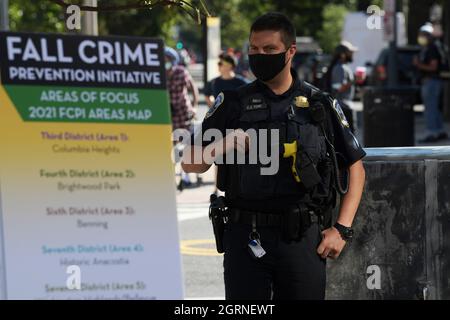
(87, 191)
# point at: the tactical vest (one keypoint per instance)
(294, 122)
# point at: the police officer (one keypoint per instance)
(278, 233)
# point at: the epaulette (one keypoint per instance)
(309, 89)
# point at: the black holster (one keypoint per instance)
(296, 220)
(218, 216)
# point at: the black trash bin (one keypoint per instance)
(389, 117)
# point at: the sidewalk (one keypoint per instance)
(198, 195)
(420, 132)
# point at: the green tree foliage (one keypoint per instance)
(333, 22)
(45, 16)
(306, 14)
(37, 16)
(157, 22)
(322, 19)
(236, 17)
(189, 34)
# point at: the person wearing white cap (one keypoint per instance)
(428, 63)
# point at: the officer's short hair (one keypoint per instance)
(276, 21)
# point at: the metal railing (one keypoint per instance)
(410, 153)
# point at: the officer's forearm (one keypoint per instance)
(196, 160)
(193, 160)
(350, 202)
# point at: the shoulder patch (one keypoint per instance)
(219, 101)
(337, 108)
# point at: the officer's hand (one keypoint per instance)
(332, 244)
(238, 140)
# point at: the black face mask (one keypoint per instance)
(349, 59)
(265, 67)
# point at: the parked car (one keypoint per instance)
(407, 72)
(408, 76)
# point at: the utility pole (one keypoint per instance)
(211, 47)
(4, 18)
(391, 9)
(446, 39)
(205, 50)
(90, 19)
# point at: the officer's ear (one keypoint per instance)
(292, 51)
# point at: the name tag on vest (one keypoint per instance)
(256, 104)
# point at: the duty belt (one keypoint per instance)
(263, 219)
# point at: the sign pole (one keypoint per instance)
(4, 19)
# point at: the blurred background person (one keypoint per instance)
(228, 80)
(428, 63)
(185, 58)
(340, 81)
(181, 88)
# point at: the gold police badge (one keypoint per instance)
(301, 102)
